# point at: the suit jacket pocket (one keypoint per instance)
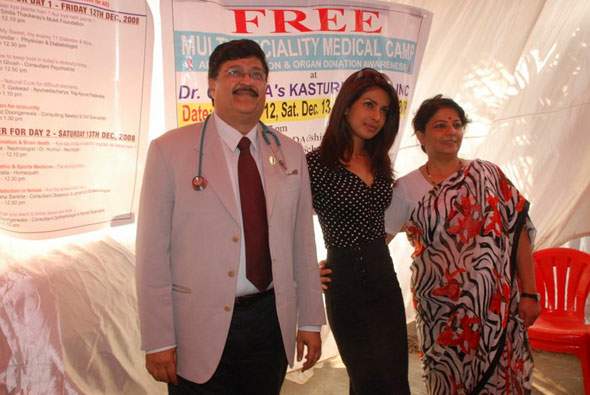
(181, 289)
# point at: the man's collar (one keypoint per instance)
(231, 136)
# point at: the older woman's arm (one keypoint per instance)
(388, 238)
(528, 308)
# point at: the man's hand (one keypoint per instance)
(528, 310)
(162, 365)
(313, 342)
(325, 275)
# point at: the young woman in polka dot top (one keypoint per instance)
(351, 182)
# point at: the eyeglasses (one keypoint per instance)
(369, 72)
(239, 73)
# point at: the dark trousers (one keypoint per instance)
(253, 360)
(365, 310)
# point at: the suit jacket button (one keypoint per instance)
(231, 273)
(235, 239)
(226, 308)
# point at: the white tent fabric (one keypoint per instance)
(68, 319)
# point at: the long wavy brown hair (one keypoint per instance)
(336, 145)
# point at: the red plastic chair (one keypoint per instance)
(563, 280)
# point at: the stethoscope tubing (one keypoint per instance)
(201, 144)
(199, 182)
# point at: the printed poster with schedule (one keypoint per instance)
(311, 47)
(72, 87)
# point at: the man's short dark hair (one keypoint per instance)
(232, 50)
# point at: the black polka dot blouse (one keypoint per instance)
(350, 212)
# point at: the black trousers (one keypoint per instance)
(253, 360)
(366, 314)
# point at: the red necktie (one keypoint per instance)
(258, 264)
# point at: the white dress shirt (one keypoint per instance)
(231, 138)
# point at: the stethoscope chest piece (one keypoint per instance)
(199, 183)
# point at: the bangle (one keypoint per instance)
(531, 295)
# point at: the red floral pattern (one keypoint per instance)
(414, 234)
(451, 288)
(465, 219)
(494, 220)
(461, 333)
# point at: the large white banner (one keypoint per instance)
(72, 88)
(311, 47)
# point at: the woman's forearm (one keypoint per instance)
(525, 265)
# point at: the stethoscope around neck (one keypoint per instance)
(199, 182)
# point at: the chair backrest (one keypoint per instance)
(563, 280)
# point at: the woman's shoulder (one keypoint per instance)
(409, 177)
(486, 166)
(409, 180)
(411, 186)
(317, 169)
(313, 155)
(404, 198)
(313, 158)
(481, 163)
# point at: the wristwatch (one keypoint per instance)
(531, 295)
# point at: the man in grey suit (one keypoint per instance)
(227, 279)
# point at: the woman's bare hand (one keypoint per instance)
(325, 275)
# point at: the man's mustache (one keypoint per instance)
(247, 89)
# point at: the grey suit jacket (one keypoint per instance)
(188, 248)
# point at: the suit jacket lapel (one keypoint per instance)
(272, 173)
(215, 169)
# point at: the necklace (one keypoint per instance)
(431, 179)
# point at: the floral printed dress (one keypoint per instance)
(465, 232)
